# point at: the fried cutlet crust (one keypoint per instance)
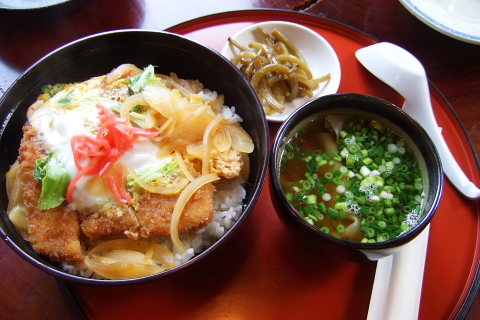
(112, 220)
(56, 232)
(154, 211)
(53, 232)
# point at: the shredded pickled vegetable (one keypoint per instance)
(277, 70)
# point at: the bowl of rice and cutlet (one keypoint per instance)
(127, 158)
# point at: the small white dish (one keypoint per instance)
(319, 54)
(458, 19)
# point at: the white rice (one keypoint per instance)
(228, 204)
(227, 209)
(229, 114)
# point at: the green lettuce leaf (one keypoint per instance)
(138, 82)
(40, 168)
(167, 171)
(54, 178)
(52, 90)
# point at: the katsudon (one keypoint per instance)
(128, 174)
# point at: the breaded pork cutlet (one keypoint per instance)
(53, 232)
(154, 211)
(56, 232)
(111, 220)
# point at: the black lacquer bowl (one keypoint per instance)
(99, 54)
(366, 107)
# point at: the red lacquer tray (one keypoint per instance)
(263, 272)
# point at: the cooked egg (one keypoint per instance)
(73, 112)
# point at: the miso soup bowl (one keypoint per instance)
(366, 107)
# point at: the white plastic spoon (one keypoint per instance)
(398, 280)
(405, 74)
(397, 286)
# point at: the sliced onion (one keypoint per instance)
(171, 188)
(192, 121)
(183, 166)
(180, 205)
(222, 139)
(149, 254)
(150, 119)
(18, 216)
(195, 149)
(121, 71)
(130, 103)
(127, 259)
(34, 107)
(161, 254)
(14, 185)
(206, 143)
(159, 98)
(241, 141)
(16, 210)
(174, 82)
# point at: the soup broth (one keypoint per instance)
(352, 177)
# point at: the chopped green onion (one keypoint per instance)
(326, 197)
(389, 211)
(370, 232)
(306, 185)
(340, 189)
(382, 224)
(371, 173)
(353, 148)
(341, 206)
(311, 199)
(364, 171)
(323, 207)
(332, 213)
(351, 159)
(393, 148)
(325, 229)
(367, 161)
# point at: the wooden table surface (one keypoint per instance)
(452, 66)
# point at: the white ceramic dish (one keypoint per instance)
(459, 19)
(318, 53)
(29, 4)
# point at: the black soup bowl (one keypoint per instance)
(354, 213)
(101, 53)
